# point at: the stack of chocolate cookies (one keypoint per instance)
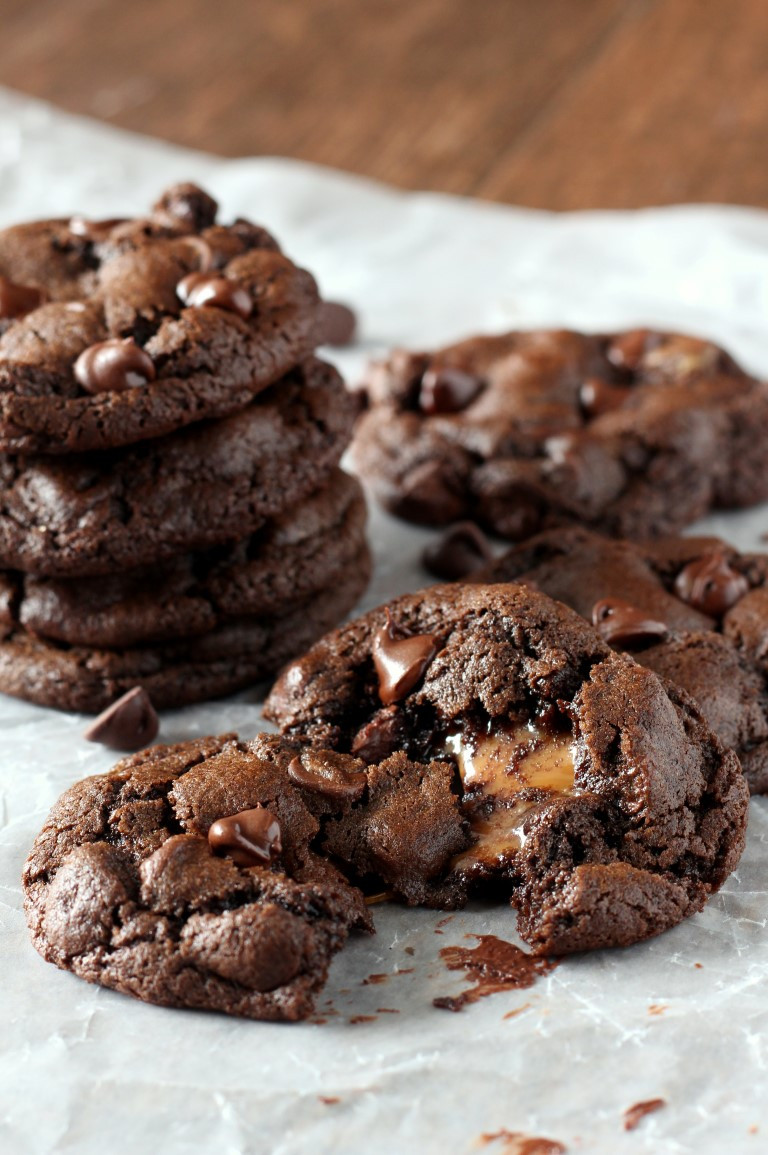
(173, 515)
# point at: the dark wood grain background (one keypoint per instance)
(555, 103)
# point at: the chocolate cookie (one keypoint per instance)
(596, 793)
(238, 653)
(693, 609)
(634, 434)
(116, 331)
(303, 552)
(211, 483)
(186, 877)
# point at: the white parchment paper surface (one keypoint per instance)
(88, 1071)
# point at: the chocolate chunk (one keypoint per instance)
(250, 838)
(597, 397)
(189, 205)
(18, 300)
(202, 289)
(114, 365)
(128, 724)
(624, 625)
(337, 324)
(710, 584)
(459, 552)
(94, 230)
(400, 660)
(448, 390)
(323, 772)
(381, 736)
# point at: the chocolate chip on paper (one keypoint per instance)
(128, 724)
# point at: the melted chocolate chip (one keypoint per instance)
(597, 397)
(114, 365)
(337, 324)
(638, 1111)
(380, 736)
(204, 289)
(18, 300)
(459, 552)
(621, 624)
(250, 838)
(128, 724)
(333, 775)
(401, 660)
(710, 584)
(447, 390)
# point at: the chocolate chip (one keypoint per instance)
(128, 724)
(18, 300)
(95, 230)
(250, 838)
(188, 204)
(429, 495)
(114, 365)
(710, 584)
(337, 324)
(447, 390)
(624, 625)
(203, 289)
(380, 736)
(327, 773)
(459, 552)
(597, 397)
(400, 659)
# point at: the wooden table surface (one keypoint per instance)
(560, 104)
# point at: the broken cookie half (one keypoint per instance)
(584, 786)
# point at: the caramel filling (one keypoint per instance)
(500, 766)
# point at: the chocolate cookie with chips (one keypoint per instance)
(115, 331)
(596, 795)
(634, 434)
(693, 609)
(187, 877)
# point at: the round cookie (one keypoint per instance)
(202, 486)
(234, 655)
(596, 793)
(211, 315)
(186, 877)
(635, 434)
(693, 609)
(301, 553)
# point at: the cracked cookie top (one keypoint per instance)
(114, 331)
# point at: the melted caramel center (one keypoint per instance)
(501, 765)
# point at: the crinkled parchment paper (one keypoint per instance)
(683, 1017)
